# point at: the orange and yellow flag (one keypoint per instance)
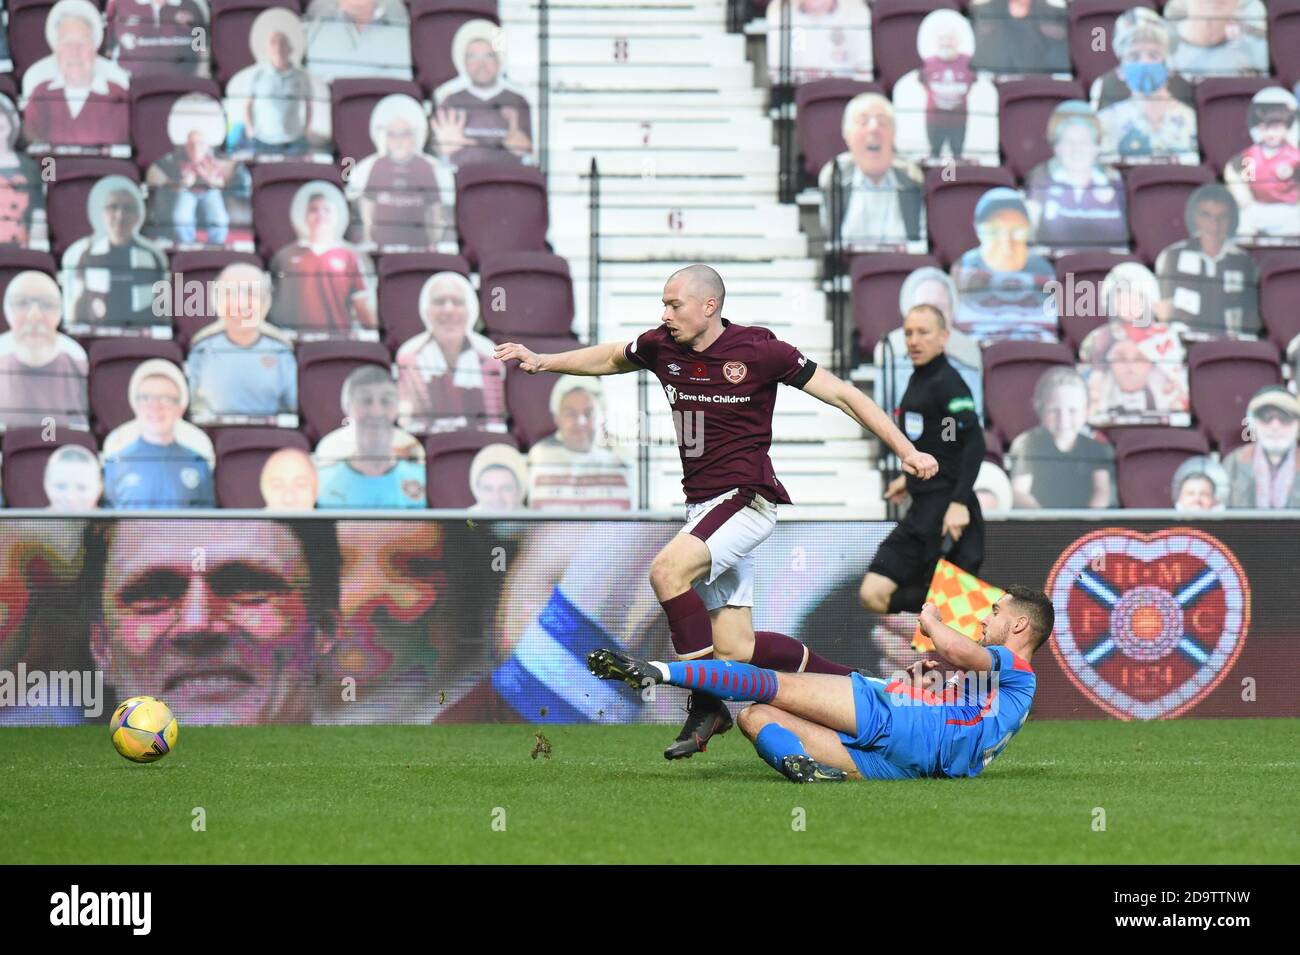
(963, 601)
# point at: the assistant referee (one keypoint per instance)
(937, 414)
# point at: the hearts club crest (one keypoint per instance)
(1147, 625)
(735, 371)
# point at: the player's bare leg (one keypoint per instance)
(733, 633)
(822, 743)
(875, 592)
(684, 560)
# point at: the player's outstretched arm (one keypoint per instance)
(607, 359)
(957, 648)
(840, 394)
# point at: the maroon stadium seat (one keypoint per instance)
(1157, 204)
(528, 396)
(26, 450)
(876, 282)
(527, 293)
(65, 198)
(1221, 105)
(1146, 459)
(1279, 296)
(27, 32)
(1283, 39)
(401, 276)
(819, 119)
(111, 363)
(433, 25)
(448, 456)
(1011, 370)
(152, 96)
(1092, 58)
(1081, 308)
(950, 206)
(500, 208)
(322, 366)
(202, 267)
(1224, 375)
(241, 453)
(893, 35)
(352, 102)
(1024, 107)
(993, 449)
(13, 261)
(231, 22)
(274, 186)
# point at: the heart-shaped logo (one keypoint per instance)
(1148, 624)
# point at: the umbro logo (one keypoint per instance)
(674, 368)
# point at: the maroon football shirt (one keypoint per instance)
(722, 400)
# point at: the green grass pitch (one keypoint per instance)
(1187, 791)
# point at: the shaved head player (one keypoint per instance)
(724, 375)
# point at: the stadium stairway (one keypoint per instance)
(664, 99)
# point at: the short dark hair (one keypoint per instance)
(930, 310)
(1037, 606)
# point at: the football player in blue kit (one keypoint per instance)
(815, 727)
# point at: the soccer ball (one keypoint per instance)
(143, 729)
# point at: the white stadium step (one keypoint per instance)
(638, 102)
(598, 45)
(653, 163)
(583, 130)
(696, 248)
(572, 214)
(638, 77)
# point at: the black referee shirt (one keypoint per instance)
(937, 414)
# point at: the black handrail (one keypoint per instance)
(593, 257)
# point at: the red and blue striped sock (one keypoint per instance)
(725, 679)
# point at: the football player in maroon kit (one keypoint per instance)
(724, 376)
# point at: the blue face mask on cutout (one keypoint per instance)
(1145, 78)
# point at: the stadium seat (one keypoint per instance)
(1087, 17)
(950, 206)
(819, 119)
(528, 396)
(526, 293)
(25, 452)
(241, 453)
(13, 261)
(111, 363)
(9, 86)
(352, 101)
(993, 448)
(448, 456)
(1283, 39)
(274, 186)
(1221, 105)
(201, 267)
(1157, 204)
(1223, 377)
(893, 33)
(1024, 107)
(1279, 296)
(500, 208)
(231, 22)
(1011, 370)
(875, 284)
(65, 197)
(1081, 308)
(433, 25)
(1146, 459)
(152, 96)
(27, 32)
(322, 366)
(401, 276)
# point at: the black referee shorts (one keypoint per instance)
(908, 555)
